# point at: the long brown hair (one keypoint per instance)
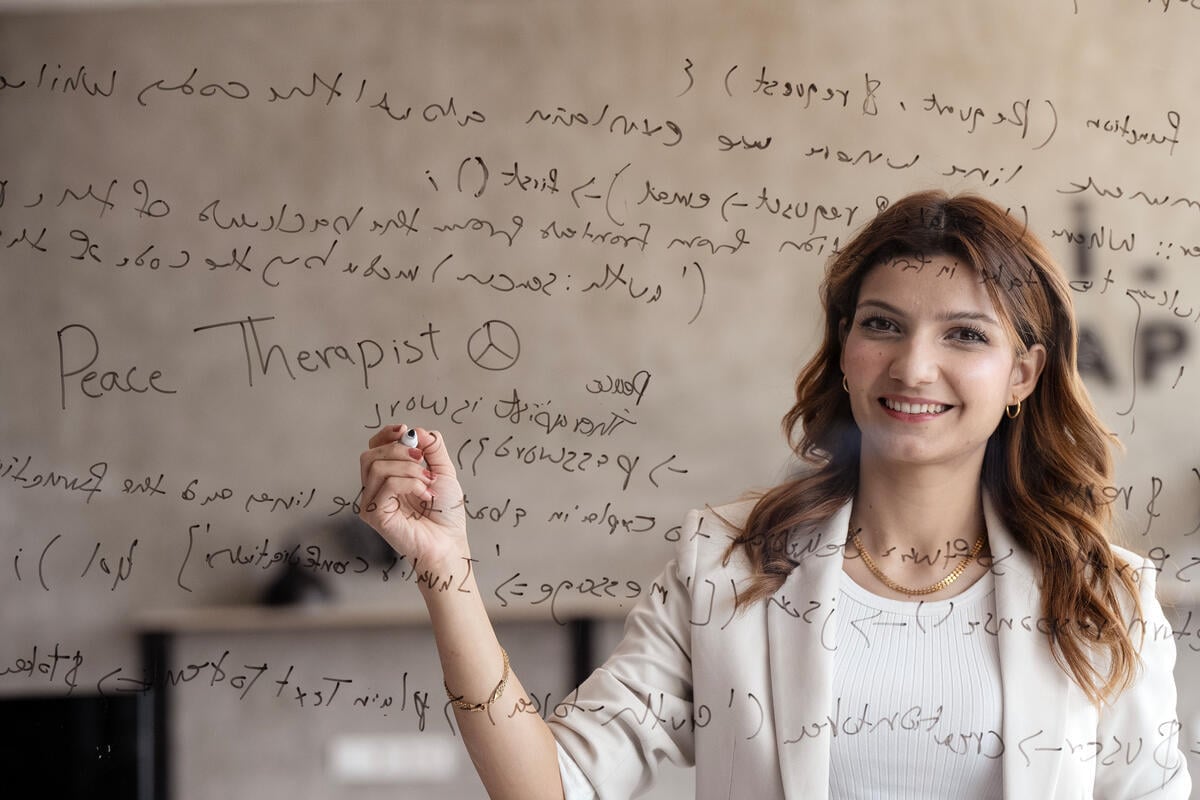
(1043, 469)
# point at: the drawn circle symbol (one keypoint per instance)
(494, 345)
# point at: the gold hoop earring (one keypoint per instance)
(1010, 413)
(845, 386)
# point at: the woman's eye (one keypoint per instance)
(877, 324)
(970, 335)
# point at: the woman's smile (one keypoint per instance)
(913, 409)
(928, 365)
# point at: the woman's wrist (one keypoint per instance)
(451, 570)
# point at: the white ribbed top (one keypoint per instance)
(917, 711)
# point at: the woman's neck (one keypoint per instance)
(919, 509)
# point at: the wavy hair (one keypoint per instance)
(1043, 469)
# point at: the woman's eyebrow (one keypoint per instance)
(945, 316)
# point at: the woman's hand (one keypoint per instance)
(417, 507)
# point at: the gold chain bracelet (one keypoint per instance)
(458, 702)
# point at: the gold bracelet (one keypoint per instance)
(458, 702)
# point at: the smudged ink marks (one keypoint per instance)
(494, 346)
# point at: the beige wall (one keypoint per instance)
(1037, 105)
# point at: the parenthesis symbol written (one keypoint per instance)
(1137, 324)
(711, 598)
(703, 289)
(762, 717)
(41, 560)
(729, 75)
(483, 181)
(608, 197)
(1053, 130)
(458, 455)
(433, 277)
(482, 444)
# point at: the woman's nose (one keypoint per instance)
(915, 362)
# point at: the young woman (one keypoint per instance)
(932, 609)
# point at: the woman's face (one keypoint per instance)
(929, 366)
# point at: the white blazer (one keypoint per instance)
(747, 698)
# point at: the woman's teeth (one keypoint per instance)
(915, 408)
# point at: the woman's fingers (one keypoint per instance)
(388, 433)
(389, 459)
(436, 454)
(393, 478)
(393, 475)
(411, 495)
(386, 444)
(397, 498)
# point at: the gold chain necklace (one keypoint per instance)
(936, 587)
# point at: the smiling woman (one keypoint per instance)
(930, 369)
(868, 607)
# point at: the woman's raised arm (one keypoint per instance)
(412, 497)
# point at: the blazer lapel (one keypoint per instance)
(1035, 689)
(801, 637)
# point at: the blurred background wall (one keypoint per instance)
(580, 239)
